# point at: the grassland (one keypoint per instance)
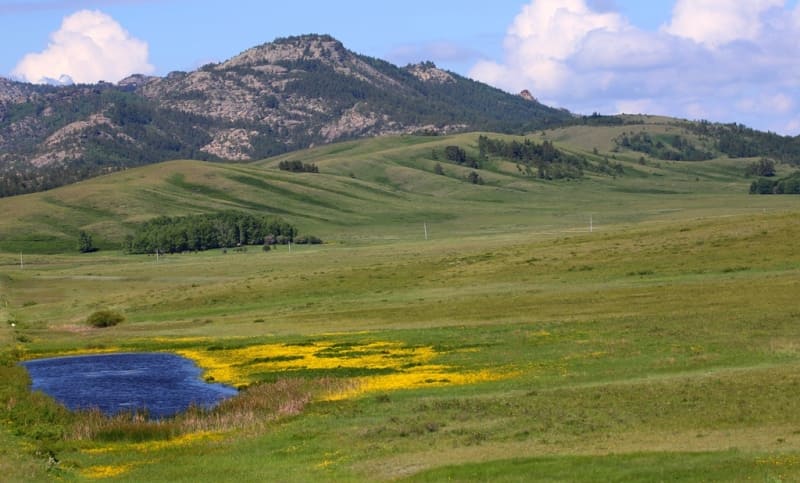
(512, 345)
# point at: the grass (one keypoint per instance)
(658, 349)
(383, 190)
(513, 345)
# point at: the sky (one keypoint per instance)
(720, 60)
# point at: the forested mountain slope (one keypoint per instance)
(280, 96)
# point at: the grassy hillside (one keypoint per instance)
(386, 189)
(512, 345)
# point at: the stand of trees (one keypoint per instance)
(457, 155)
(204, 232)
(738, 141)
(549, 162)
(789, 185)
(85, 244)
(298, 167)
(764, 167)
(664, 147)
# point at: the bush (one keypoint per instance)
(308, 240)
(764, 167)
(85, 244)
(474, 178)
(105, 318)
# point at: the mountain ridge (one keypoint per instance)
(288, 94)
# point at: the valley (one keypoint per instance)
(632, 325)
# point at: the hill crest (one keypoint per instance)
(291, 93)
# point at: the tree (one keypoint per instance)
(85, 244)
(105, 318)
(438, 169)
(474, 178)
(455, 154)
(764, 167)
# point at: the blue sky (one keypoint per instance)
(723, 60)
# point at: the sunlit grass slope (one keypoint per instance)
(385, 189)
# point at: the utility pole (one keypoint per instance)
(425, 227)
(591, 224)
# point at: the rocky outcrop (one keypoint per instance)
(287, 94)
(428, 72)
(233, 144)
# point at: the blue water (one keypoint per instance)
(163, 384)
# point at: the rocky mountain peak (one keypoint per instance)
(291, 93)
(428, 72)
(134, 81)
(291, 49)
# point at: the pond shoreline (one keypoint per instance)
(160, 384)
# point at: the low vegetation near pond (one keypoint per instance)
(105, 318)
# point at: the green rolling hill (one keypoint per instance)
(388, 188)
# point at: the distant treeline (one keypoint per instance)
(548, 161)
(667, 147)
(298, 167)
(205, 232)
(789, 185)
(738, 141)
(597, 119)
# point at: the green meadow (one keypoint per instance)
(643, 327)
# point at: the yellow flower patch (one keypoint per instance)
(147, 446)
(100, 472)
(425, 376)
(779, 460)
(406, 367)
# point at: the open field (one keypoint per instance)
(512, 345)
(658, 344)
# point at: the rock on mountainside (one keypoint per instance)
(288, 94)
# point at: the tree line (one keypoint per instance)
(739, 141)
(227, 229)
(548, 161)
(667, 147)
(789, 185)
(298, 167)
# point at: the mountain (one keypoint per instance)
(288, 94)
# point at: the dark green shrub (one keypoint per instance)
(308, 240)
(85, 244)
(105, 318)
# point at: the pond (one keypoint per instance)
(163, 384)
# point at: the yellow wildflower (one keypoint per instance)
(100, 472)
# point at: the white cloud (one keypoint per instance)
(729, 61)
(779, 103)
(635, 106)
(543, 36)
(441, 51)
(717, 22)
(90, 46)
